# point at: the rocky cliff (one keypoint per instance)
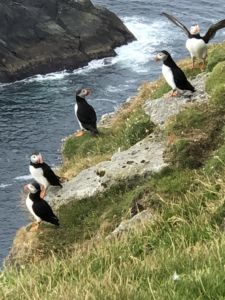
(39, 36)
(144, 159)
(152, 229)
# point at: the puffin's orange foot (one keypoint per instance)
(175, 94)
(34, 227)
(79, 133)
(42, 194)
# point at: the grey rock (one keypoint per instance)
(162, 109)
(39, 36)
(138, 220)
(146, 157)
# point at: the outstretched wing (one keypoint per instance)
(212, 30)
(178, 23)
(52, 178)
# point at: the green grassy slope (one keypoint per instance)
(181, 255)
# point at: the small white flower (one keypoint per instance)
(176, 276)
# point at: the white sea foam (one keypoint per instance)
(116, 88)
(134, 55)
(47, 77)
(23, 177)
(149, 36)
(4, 185)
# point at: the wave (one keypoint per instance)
(93, 65)
(116, 88)
(39, 78)
(50, 76)
(4, 185)
(136, 55)
(23, 177)
(150, 36)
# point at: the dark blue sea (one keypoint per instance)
(37, 113)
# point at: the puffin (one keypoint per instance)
(42, 173)
(173, 75)
(197, 44)
(85, 113)
(38, 207)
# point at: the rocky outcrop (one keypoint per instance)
(143, 159)
(146, 157)
(39, 36)
(162, 109)
(141, 219)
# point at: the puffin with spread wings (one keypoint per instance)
(197, 44)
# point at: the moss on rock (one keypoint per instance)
(216, 55)
(216, 77)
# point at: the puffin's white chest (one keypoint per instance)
(37, 174)
(168, 75)
(197, 48)
(75, 110)
(29, 205)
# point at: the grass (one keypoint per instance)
(81, 221)
(185, 238)
(197, 131)
(186, 199)
(216, 55)
(127, 132)
(134, 129)
(128, 126)
(216, 77)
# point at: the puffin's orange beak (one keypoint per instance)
(156, 58)
(26, 189)
(40, 158)
(89, 91)
(198, 28)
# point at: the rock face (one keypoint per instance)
(146, 157)
(141, 219)
(160, 110)
(142, 159)
(39, 36)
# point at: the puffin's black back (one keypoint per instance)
(41, 208)
(180, 78)
(181, 81)
(52, 178)
(44, 211)
(86, 115)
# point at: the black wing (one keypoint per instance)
(212, 30)
(178, 23)
(181, 81)
(44, 211)
(52, 178)
(87, 115)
